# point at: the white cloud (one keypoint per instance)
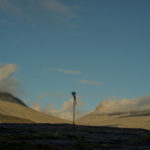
(73, 72)
(36, 106)
(65, 112)
(7, 82)
(89, 82)
(124, 105)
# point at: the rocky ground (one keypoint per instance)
(65, 136)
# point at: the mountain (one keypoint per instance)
(7, 97)
(12, 119)
(14, 109)
(132, 119)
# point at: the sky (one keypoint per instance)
(99, 48)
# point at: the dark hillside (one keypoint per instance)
(10, 98)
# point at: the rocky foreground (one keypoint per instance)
(65, 136)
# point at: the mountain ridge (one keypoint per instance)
(14, 107)
(128, 119)
(7, 97)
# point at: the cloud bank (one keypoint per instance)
(35, 106)
(7, 82)
(65, 112)
(124, 105)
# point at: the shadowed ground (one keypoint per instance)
(65, 136)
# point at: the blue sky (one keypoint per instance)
(98, 48)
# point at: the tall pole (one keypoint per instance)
(74, 112)
(74, 104)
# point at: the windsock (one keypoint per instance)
(74, 96)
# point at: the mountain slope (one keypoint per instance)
(125, 120)
(10, 98)
(12, 119)
(16, 108)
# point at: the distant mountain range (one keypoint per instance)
(13, 110)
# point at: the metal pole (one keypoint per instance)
(74, 112)
(74, 103)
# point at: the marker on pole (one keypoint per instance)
(74, 103)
